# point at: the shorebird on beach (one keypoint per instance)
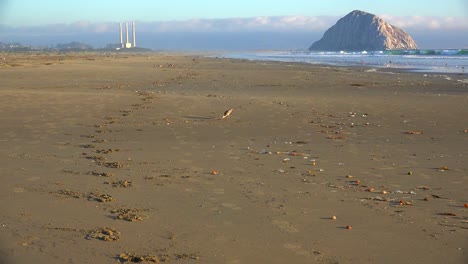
(227, 113)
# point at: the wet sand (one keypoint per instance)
(109, 158)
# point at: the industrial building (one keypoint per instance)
(127, 44)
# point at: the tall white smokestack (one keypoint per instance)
(126, 28)
(133, 31)
(121, 38)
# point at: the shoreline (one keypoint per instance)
(223, 55)
(318, 60)
(381, 69)
(109, 157)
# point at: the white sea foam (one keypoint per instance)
(442, 61)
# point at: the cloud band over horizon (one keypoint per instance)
(283, 24)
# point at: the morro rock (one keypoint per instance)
(359, 31)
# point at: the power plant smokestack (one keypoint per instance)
(126, 28)
(133, 31)
(127, 44)
(121, 39)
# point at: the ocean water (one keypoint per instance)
(429, 61)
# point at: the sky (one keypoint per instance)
(436, 23)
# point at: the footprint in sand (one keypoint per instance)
(19, 190)
(285, 226)
(296, 248)
(34, 178)
(218, 191)
(231, 206)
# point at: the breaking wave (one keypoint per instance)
(442, 61)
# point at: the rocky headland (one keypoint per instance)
(360, 31)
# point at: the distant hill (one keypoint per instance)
(15, 47)
(74, 46)
(360, 31)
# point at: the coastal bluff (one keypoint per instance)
(359, 31)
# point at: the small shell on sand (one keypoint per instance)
(443, 168)
(405, 202)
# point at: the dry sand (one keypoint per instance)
(103, 155)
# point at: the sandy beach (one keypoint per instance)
(114, 158)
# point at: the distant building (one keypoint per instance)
(127, 44)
